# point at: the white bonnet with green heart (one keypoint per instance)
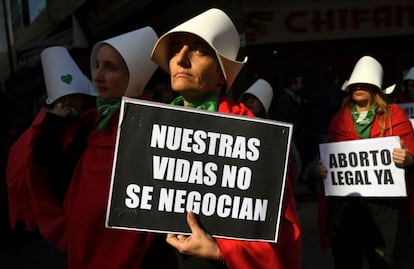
(62, 75)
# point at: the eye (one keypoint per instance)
(201, 49)
(176, 48)
(111, 67)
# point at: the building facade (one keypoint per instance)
(277, 35)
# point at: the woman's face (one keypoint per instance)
(111, 77)
(410, 86)
(362, 94)
(253, 104)
(194, 68)
(75, 101)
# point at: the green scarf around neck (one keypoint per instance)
(209, 103)
(363, 123)
(106, 109)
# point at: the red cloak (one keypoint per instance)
(29, 198)
(90, 244)
(287, 252)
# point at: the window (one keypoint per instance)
(35, 7)
(3, 32)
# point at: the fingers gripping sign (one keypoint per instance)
(199, 243)
(402, 156)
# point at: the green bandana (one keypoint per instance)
(73, 113)
(210, 103)
(363, 121)
(106, 108)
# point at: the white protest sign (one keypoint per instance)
(363, 168)
(230, 170)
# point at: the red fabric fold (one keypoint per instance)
(29, 197)
(287, 252)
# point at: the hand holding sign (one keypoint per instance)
(199, 243)
(365, 167)
(320, 170)
(402, 157)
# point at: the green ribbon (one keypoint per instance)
(210, 103)
(106, 109)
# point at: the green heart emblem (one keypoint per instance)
(66, 78)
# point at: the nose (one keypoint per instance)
(98, 76)
(182, 56)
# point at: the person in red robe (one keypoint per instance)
(258, 98)
(200, 56)
(120, 67)
(34, 185)
(368, 227)
(405, 93)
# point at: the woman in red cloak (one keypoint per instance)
(368, 227)
(200, 57)
(41, 161)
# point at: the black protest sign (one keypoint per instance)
(229, 170)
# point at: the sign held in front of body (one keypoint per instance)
(229, 170)
(363, 168)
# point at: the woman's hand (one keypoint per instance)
(199, 243)
(320, 170)
(402, 157)
(61, 109)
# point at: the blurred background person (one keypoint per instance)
(258, 98)
(405, 93)
(288, 107)
(323, 102)
(288, 103)
(33, 197)
(374, 228)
